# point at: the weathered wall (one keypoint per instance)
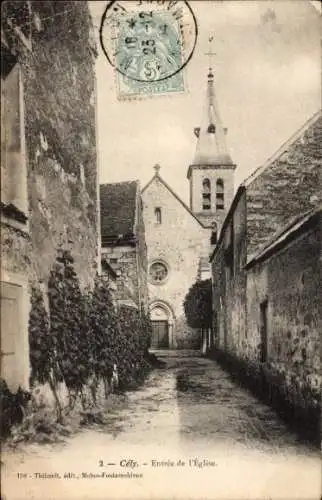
(229, 281)
(141, 255)
(290, 282)
(60, 136)
(288, 186)
(58, 99)
(179, 241)
(130, 264)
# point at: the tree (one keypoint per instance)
(198, 305)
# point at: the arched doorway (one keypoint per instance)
(162, 325)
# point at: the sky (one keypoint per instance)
(268, 84)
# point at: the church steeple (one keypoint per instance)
(211, 173)
(211, 146)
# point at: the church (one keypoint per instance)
(179, 238)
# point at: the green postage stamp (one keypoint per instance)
(148, 44)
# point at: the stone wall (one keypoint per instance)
(229, 280)
(289, 185)
(57, 95)
(129, 261)
(142, 255)
(289, 281)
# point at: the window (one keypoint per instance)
(263, 331)
(13, 166)
(158, 272)
(206, 194)
(220, 200)
(229, 250)
(211, 129)
(158, 217)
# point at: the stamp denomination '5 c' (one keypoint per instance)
(148, 43)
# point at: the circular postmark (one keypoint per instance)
(148, 40)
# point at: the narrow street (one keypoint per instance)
(189, 432)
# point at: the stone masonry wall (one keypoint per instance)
(229, 282)
(289, 186)
(142, 255)
(59, 133)
(123, 260)
(290, 282)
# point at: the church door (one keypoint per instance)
(160, 334)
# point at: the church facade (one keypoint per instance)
(179, 237)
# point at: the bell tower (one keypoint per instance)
(211, 174)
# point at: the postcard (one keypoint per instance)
(161, 250)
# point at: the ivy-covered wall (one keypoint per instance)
(52, 45)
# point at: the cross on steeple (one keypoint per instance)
(211, 52)
(157, 169)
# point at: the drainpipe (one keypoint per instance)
(137, 242)
(138, 275)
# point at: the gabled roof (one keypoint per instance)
(283, 148)
(288, 233)
(158, 177)
(118, 203)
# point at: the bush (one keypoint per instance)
(83, 338)
(12, 407)
(198, 305)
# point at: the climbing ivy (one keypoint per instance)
(68, 322)
(84, 337)
(41, 344)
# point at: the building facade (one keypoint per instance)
(254, 315)
(123, 245)
(179, 237)
(48, 160)
(283, 311)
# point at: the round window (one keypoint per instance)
(158, 272)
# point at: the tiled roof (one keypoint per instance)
(118, 212)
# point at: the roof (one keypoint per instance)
(211, 147)
(283, 148)
(245, 184)
(158, 176)
(298, 225)
(118, 203)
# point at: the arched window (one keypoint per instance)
(206, 194)
(158, 217)
(220, 197)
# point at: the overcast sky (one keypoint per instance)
(268, 74)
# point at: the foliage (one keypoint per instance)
(12, 407)
(103, 330)
(41, 344)
(83, 340)
(198, 305)
(68, 326)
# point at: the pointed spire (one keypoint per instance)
(211, 146)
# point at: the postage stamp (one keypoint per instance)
(148, 43)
